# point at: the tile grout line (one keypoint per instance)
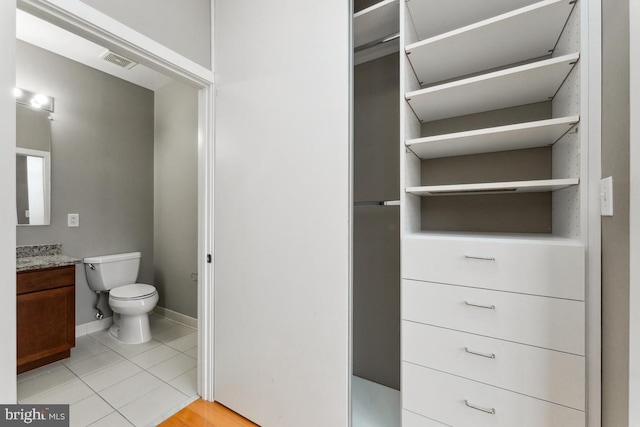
(106, 348)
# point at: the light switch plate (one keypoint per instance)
(73, 220)
(606, 196)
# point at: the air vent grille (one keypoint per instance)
(118, 60)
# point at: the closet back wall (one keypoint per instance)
(376, 230)
(101, 164)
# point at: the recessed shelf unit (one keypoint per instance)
(519, 136)
(529, 32)
(525, 84)
(535, 186)
(495, 172)
(375, 23)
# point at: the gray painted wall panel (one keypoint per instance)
(181, 25)
(376, 128)
(615, 230)
(33, 128)
(176, 197)
(102, 164)
(376, 230)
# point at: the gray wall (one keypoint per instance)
(181, 25)
(376, 230)
(102, 164)
(175, 219)
(615, 230)
(33, 129)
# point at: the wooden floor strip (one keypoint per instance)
(207, 414)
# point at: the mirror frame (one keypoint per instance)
(47, 183)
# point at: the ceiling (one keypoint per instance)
(54, 39)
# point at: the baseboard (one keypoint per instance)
(189, 321)
(95, 326)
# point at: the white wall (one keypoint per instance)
(8, 198)
(181, 25)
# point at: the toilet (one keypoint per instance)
(131, 302)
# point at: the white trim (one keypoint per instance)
(95, 326)
(183, 319)
(80, 19)
(87, 22)
(591, 58)
(634, 214)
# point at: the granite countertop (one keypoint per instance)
(36, 257)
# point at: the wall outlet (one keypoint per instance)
(606, 196)
(73, 220)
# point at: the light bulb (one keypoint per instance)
(17, 92)
(41, 99)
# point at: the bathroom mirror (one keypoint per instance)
(33, 166)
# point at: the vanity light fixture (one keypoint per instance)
(33, 99)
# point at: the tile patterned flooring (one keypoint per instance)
(111, 384)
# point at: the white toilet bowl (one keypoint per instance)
(132, 303)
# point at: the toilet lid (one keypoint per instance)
(134, 291)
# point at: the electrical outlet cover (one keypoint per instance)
(73, 220)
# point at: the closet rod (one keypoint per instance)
(377, 203)
(376, 43)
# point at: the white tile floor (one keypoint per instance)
(111, 384)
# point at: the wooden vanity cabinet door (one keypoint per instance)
(45, 319)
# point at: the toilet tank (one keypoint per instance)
(110, 271)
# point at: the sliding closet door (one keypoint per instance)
(282, 211)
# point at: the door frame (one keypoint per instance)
(634, 213)
(86, 22)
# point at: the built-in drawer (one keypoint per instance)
(410, 419)
(528, 319)
(48, 278)
(546, 374)
(460, 402)
(535, 266)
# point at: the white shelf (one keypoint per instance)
(540, 133)
(452, 14)
(526, 33)
(536, 186)
(376, 22)
(525, 84)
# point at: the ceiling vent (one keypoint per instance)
(118, 60)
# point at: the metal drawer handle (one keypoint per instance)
(480, 258)
(489, 307)
(479, 408)
(477, 353)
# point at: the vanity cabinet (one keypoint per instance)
(45, 316)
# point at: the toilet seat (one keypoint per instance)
(135, 291)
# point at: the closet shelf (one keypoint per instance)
(376, 22)
(525, 84)
(523, 34)
(536, 186)
(540, 133)
(452, 14)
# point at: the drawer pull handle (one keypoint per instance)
(488, 307)
(479, 408)
(483, 258)
(477, 353)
